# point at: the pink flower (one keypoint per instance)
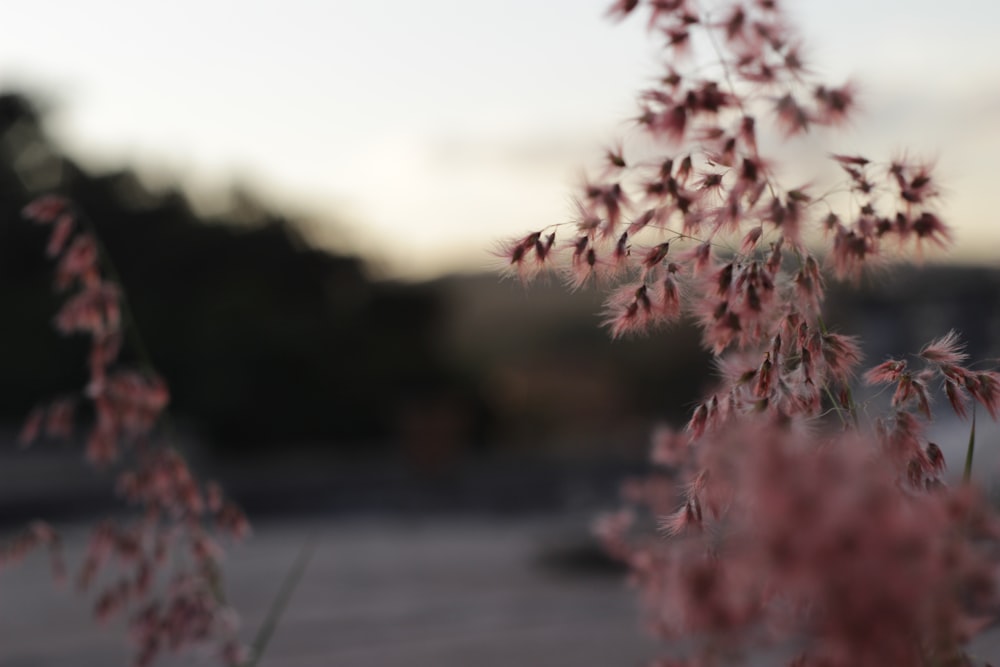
(584, 264)
(751, 239)
(928, 227)
(629, 311)
(792, 117)
(32, 427)
(669, 447)
(947, 350)
(835, 104)
(78, 263)
(94, 310)
(841, 354)
(956, 397)
(59, 418)
(622, 8)
(46, 209)
(885, 373)
(61, 232)
(666, 297)
(985, 388)
(518, 254)
(655, 255)
(687, 518)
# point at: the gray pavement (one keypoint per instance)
(386, 593)
(440, 592)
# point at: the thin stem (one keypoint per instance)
(130, 328)
(836, 405)
(852, 407)
(280, 603)
(826, 387)
(133, 334)
(967, 473)
(739, 100)
(725, 65)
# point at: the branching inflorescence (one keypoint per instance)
(168, 574)
(833, 539)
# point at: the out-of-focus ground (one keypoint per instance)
(378, 592)
(441, 592)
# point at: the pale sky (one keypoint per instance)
(420, 132)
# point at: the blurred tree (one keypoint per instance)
(263, 339)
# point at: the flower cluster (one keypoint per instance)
(168, 562)
(812, 546)
(789, 516)
(706, 225)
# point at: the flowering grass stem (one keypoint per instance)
(280, 603)
(967, 473)
(130, 329)
(852, 407)
(782, 522)
(180, 515)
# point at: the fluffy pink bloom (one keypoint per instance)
(750, 240)
(523, 256)
(841, 354)
(792, 117)
(79, 262)
(947, 350)
(985, 388)
(32, 427)
(46, 209)
(850, 160)
(102, 442)
(61, 231)
(929, 227)
(585, 264)
(734, 23)
(94, 310)
(885, 373)
(687, 518)
(721, 326)
(639, 223)
(59, 418)
(231, 519)
(666, 296)
(622, 8)
(655, 255)
(629, 311)
(956, 397)
(669, 447)
(835, 104)
(820, 546)
(612, 529)
(700, 257)
(809, 284)
(851, 251)
(672, 122)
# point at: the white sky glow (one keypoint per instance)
(424, 131)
